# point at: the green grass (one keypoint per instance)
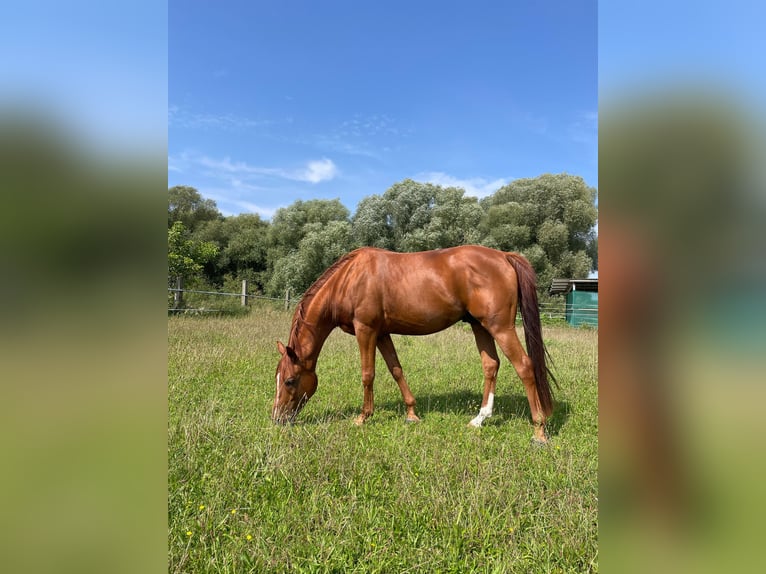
(326, 496)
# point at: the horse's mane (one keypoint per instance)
(299, 318)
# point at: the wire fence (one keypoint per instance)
(202, 301)
(248, 295)
(182, 300)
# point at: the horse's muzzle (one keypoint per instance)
(283, 416)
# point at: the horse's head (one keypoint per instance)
(295, 385)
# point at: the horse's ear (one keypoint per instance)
(293, 355)
(289, 351)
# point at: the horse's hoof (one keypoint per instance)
(537, 443)
(411, 420)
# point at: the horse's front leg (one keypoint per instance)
(386, 346)
(367, 340)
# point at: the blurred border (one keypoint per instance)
(682, 205)
(83, 159)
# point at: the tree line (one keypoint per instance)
(550, 219)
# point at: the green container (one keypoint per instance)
(582, 308)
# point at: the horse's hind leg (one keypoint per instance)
(490, 364)
(386, 347)
(511, 346)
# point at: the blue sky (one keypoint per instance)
(274, 101)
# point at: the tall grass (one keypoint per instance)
(326, 496)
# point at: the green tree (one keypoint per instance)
(550, 219)
(372, 223)
(321, 223)
(185, 204)
(289, 224)
(414, 216)
(320, 247)
(242, 241)
(455, 218)
(592, 251)
(186, 257)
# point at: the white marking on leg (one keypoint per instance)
(485, 412)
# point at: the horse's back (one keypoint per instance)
(465, 267)
(424, 292)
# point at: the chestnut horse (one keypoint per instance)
(372, 293)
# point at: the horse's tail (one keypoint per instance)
(530, 315)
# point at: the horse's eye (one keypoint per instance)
(291, 382)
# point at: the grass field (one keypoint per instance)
(326, 496)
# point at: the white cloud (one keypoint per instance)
(475, 186)
(369, 125)
(316, 171)
(182, 117)
(234, 184)
(370, 136)
(337, 145)
(239, 168)
(229, 204)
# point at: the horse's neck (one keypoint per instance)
(312, 331)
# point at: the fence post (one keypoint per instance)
(287, 299)
(178, 294)
(244, 292)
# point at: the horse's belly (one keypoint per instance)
(422, 323)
